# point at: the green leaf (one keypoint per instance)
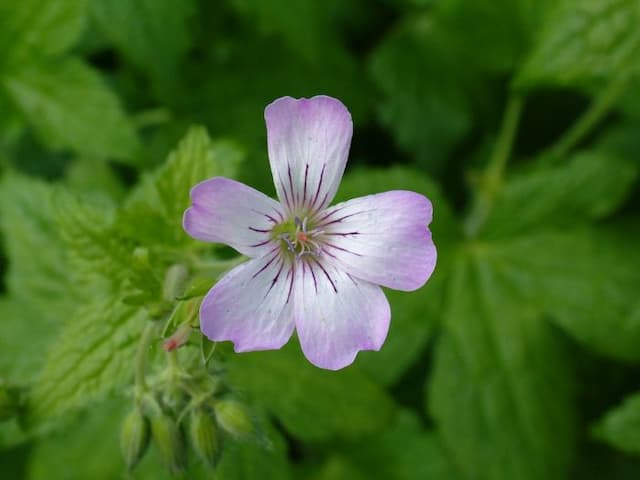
(500, 392)
(590, 186)
(94, 248)
(414, 314)
(425, 102)
(403, 452)
(38, 28)
(91, 356)
(152, 34)
(311, 403)
(154, 211)
(584, 42)
(586, 279)
(494, 34)
(305, 25)
(69, 106)
(37, 275)
(620, 427)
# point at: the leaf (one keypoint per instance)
(495, 35)
(590, 186)
(305, 25)
(414, 314)
(248, 461)
(38, 28)
(65, 102)
(92, 354)
(620, 427)
(311, 403)
(425, 104)
(95, 250)
(36, 272)
(586, 279)
(403, 452)
(152, 34)
(153, 213)
(583, 43)
(500, 392)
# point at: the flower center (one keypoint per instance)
(298, 237)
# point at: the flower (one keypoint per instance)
(312, 267)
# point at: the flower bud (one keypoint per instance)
(203, 433)
(134, 438)
(168, 438)
(235, 419)
(174, 281)
(178, 339)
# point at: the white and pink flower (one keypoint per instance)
(313, 268)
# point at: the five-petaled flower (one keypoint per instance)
(312, 267)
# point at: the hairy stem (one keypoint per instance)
(491, 179)
(141, 356)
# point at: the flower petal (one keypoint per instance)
(382, 238)
(308, 142)
(230, 212)
(337, 315)
(252, 305)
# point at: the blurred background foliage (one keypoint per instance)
(518, 360)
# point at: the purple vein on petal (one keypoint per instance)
(338, 220)
(259, 230)
(267, 264)
(315, 197)
(293, 192)
(327, 275)
(328, 244)
(290, 274)
(275, 278)
(304, 191)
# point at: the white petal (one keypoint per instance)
(337, 315)
(252, 305)
(382, 238)
(230, 212)
(308, 142)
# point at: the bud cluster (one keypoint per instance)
(181, 404)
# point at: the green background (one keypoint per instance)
(519, 119)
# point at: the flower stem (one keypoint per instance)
(491, 180)
(599, 107)
(141, 356)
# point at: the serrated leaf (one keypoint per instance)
(37, 276)
(90, 244)
(620, 426)
(584, 42)
(38, 28)
(153, 34)
(318, 404)
(589, 186)
(153, 213)
(425, 104)
(500, 392)
(65, 102)
(92, 355)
